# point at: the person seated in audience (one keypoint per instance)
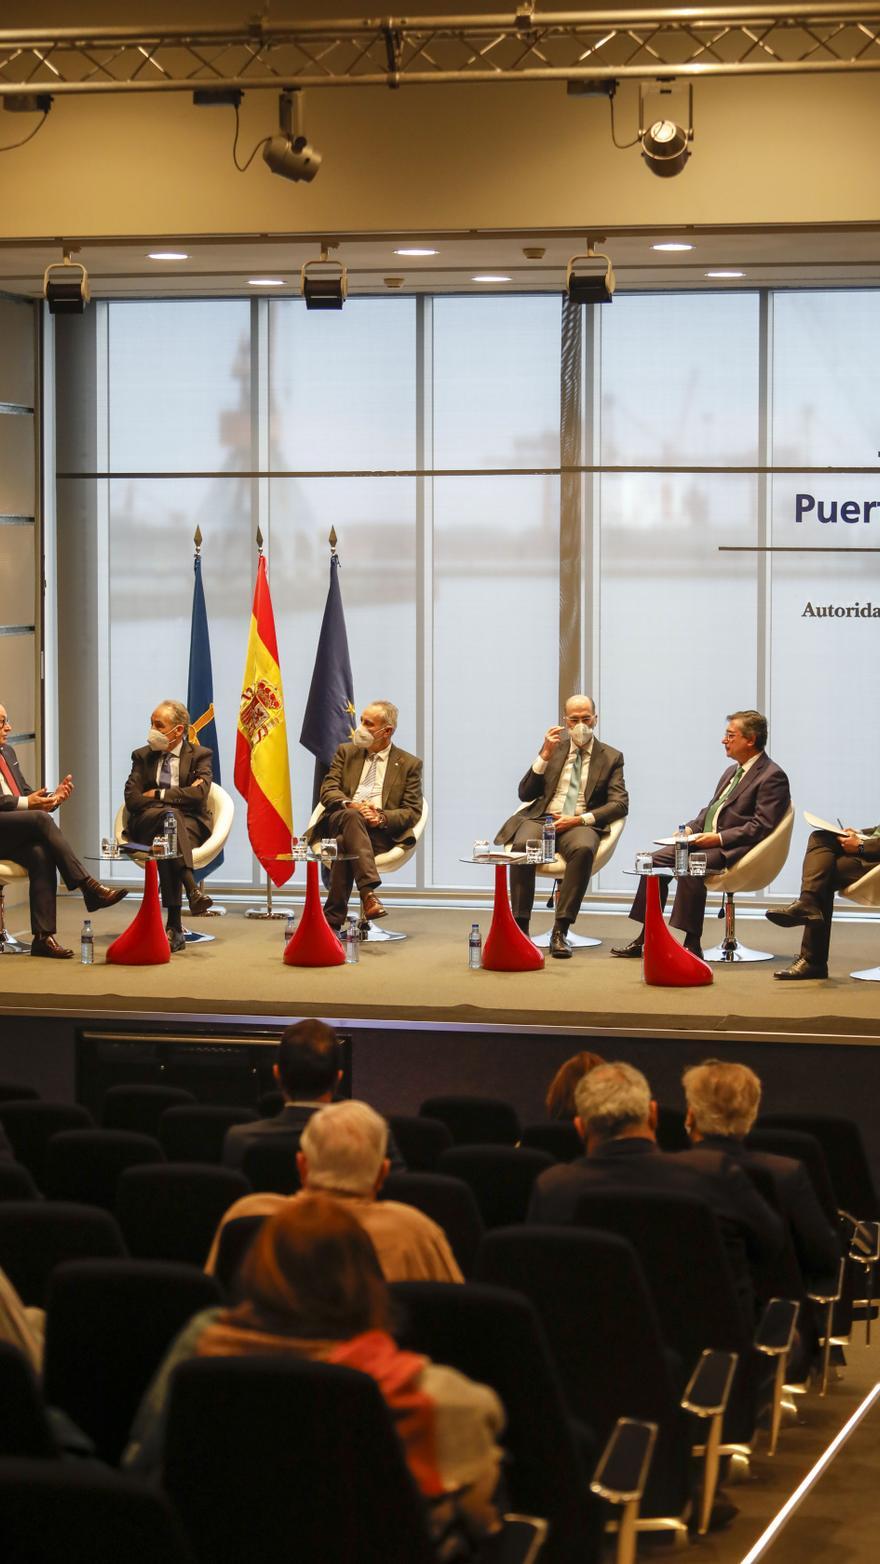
(23, 1326)
(308, 1072)
(342, 1151)
(6, 1153)
(722, 1105)
(559, 1101)
(311, 1285)
(617, 1118)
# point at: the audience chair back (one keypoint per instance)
(847, 1160)
(475, 1121)
(270, 1104)
(195, 1132)
(11, 1091)
(58, 1512)
(31, 1125)
(235, 1241)
(109, 1324)
(35, 1236)
(24, 1426)
(558, 1137)
(804, 1148)
(139, 1107)
(271, 1169)
(419, 1140)
(85, 1165)
(171, 1212)
(289, 1458)
(16, 1183)
(448, 1202)
(501, 1178)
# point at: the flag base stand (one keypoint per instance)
(269, 912)
(214, 912)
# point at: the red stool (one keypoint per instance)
(313, 944)
(507, 948)
(665, 963)
(144, 943)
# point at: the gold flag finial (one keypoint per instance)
(332, 540)
(197, 539)
(259, 539)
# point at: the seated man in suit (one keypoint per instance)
(30, 838)
(372, 797)
(830, 863)
(170, 773)
(578, 781)
(722, 1105)
(751, 799)
(616, 1118)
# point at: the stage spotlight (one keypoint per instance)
(324, 283)
(290, 153)
(666, 145)
(66, 287)
(595, 286)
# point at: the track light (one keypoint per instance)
(66, 286)
(593, 286)
(289, 153)
(324, 283)
(666, 146)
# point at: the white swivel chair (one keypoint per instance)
(386, 863)
(9, 945)
(754, 872)
(556, 869)
(865, 891)
(222, 812)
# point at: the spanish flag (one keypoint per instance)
(262, 767)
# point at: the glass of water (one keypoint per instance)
(329, 849)
(534, 850)
(644, 863)
(697, 863)
(481, 848)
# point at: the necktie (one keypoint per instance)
(574, 784)
(165, 771)
(714, 810)
(11, 783)
(368, 780)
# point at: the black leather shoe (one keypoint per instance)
(199, 903)
(799, 971)
(795, 913)
(95, 895)
(177, 940)
(47, 945)
(559, 945)
(523, 925)
(692, 944)
(633, 949)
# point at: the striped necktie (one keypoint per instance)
(715, 809)
(165, 771)
(368, 778)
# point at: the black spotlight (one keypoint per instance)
(592, 286)
(324, 283)
(290, 153)
(666, 145)
(66, 287)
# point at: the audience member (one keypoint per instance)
(342, 1152)
(559, 1101)
(20, 1325)
(617, 1118)
(312, 1286)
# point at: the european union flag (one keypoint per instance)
(200, 688)
(329, 716)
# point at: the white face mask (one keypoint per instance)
(362, 737)
(581, 733)
(157, 740)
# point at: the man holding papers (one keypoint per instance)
(830, 862)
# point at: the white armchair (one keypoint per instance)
(9, 945)
(386, 863)
(222, 812)
(754, 872)
(555, 869)
(866, 892)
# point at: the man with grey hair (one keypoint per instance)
(372, 799)
(169, 773)
(722, 1105)
(578, 781)
(342, 1152)
(617, 1121)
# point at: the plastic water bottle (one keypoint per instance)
(680, 866)
(548, 839)
(170, 835)
(475, 948)
(87, 944)
(352, 942)
(290, 928)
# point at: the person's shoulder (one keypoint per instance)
(769, 768)
(403, 756)
(608, 750)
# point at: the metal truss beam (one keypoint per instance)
(526, 45)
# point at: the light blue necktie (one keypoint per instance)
(574, 784)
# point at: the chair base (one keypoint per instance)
(723, 953)
(370, 935)
(869, 975)
(572, 940)
(10, 946)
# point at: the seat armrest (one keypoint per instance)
(519, 1541)
(828, 1296)
(623, 1466)
(708, 1388)
(776, 1328)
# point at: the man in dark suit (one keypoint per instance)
(830, 863)
(751, 799)
(616, 1118)
(580, 783)
(722, 1105)
(29, 837)
(169, 773)
(372, 798)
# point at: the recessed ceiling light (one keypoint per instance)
(724, 274)
(672, 245)
(265, 282)
(490, 277)
(415, 252)
(167, 255)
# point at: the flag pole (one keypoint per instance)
(269, 911)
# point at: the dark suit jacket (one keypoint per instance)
(605, 794)
(284, 1129)
(754, 809)
(6, 799)
(749, 1229)
(195, 764)
(401, 789)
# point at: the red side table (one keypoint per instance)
(144, 943)
(313, 943)
(665, 963)
(506, 947)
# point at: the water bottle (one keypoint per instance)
(87, 944)
(290, 928)
(548, 839)
(170, 836)
(352, 942)
(680, 866)
(475, 948)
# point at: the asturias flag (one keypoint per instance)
(200, 688)
(330, 710)
(262, 768)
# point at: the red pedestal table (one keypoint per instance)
(665, 963)
(144, 943)
(313, 944)
(507, 948)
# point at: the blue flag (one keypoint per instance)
(200, 688)
(329, 716)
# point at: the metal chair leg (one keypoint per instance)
(730, 949)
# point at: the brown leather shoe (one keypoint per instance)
(633, 950)
(47, 945)
(372, 907)
(95, 895)
(199, 903)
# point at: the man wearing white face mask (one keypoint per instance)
(578, 781)
(169, 773)
(372, 797)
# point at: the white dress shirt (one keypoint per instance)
(539, 767)
(7, 792)
(371, 793)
